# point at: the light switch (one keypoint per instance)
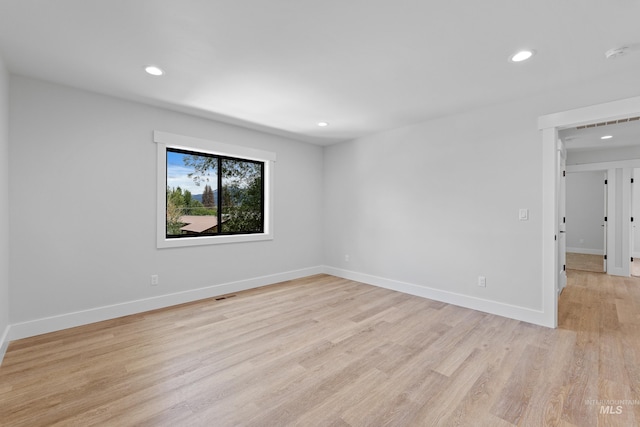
(523, 215)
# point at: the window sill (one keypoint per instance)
(212, 240)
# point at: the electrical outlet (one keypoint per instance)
(347, 258)
(523, 214)
(154, 280)
(482, 281)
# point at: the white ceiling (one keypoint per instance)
(281, 66)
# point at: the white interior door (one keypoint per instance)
(632, 221)
(562, 220)
(604, 224)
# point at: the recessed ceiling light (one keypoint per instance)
(153, 70)
(522, 55)
(606, 137)
(323, 124)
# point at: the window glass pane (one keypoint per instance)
(242, 196)
(192, 192)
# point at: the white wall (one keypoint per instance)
(608, 155)
(436, 205)
(428, 208)
(4, 207)
(425, 209)
(83, 210)
(585, 212)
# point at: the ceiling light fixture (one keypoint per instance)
(606, 137)
(522, 55)
(323, 124)
(153, 70)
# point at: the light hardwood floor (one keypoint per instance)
(324, 351)
(635, 268)
(585, 262)
(594, 263)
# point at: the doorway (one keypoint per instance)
(635, 227)
(550, 125)
(585, 221)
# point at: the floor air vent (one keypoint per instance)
(224, 297)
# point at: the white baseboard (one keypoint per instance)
(98, 314)
(501, 309)
(4, 343)
(586, 251)
(84, 317)
(636, 255)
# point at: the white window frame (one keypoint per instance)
(166, 140)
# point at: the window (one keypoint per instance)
(221, 195)
(211, 193)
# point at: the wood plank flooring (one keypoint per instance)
(324, 351)
(635, 267)
(585, 262)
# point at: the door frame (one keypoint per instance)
(605, 222)
(549, 125)
(562, 213)
(604, 171)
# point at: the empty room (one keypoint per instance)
(339, 213)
